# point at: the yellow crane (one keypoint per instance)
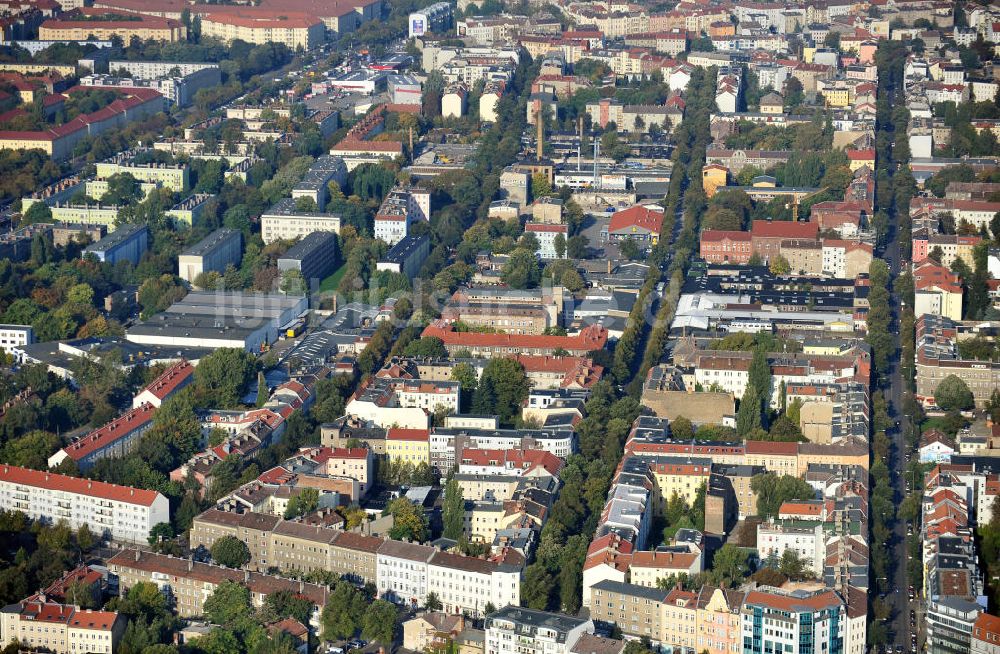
(796, 200)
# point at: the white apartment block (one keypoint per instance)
(561, 443)
(467, 584)
(808, 542)
(158, 69)
(401, 572)
(391, 228)
(546, 236)
(776, 621)
(12, 336)
(516, 630)
(120, 512)
(282, 222)
(429, 395)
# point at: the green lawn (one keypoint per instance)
(330, 283)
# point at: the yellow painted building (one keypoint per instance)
(294, 30)
(176, 178)
(17, 141)
(157, 29)
(713, 176)
(408, 446)
(683, 478)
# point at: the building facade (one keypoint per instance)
(119, 512)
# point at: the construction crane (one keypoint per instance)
(796, 200)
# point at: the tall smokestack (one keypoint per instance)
(538, 119)
(411, 142)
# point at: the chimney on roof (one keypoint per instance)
(137, 554)
(246, 576)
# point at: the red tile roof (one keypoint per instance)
(642, 216)
(524, 460)
(107, 434)
(264, 20)
(397, 434)
(170, 380)
(987, 628)
(592, 337)
(67, 484)
(783, 229)
(818, 601)
(712, 235)
(772, 447)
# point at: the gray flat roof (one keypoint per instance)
(211, 242)
(117, 237)
(400, 251)
(534, 618)
(286, 207)
(309, 244)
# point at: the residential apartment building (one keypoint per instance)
(402, 572)
(146, 28)
(547, 234)
(808, 543)
(252, 528)
(298, 31)
(774, 620)
(284, 222)
(189, 583)
(170, 381)
(121, 513)
(638, 610)
(173, 177)
(945, 247)
(985, 635)
(221, 248)
(447, 445)
(114, 439)
(36, 623)
(127, 243)
(516, 630)
(314, 257)
(407, 256)
(590, 338)
(408, 446)
(466, 584)
(937, 357)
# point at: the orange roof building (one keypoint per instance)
(590, 338)
(120, 512)
(641, 223)
(38, 623)
(114, 439)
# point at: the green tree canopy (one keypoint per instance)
(426, 346)
(228, 604)
(231, 552)
(509, 384)
(772, 491)
(223, 375)
(453, 511)
(953, 394)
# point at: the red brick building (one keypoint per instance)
(721, 246)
